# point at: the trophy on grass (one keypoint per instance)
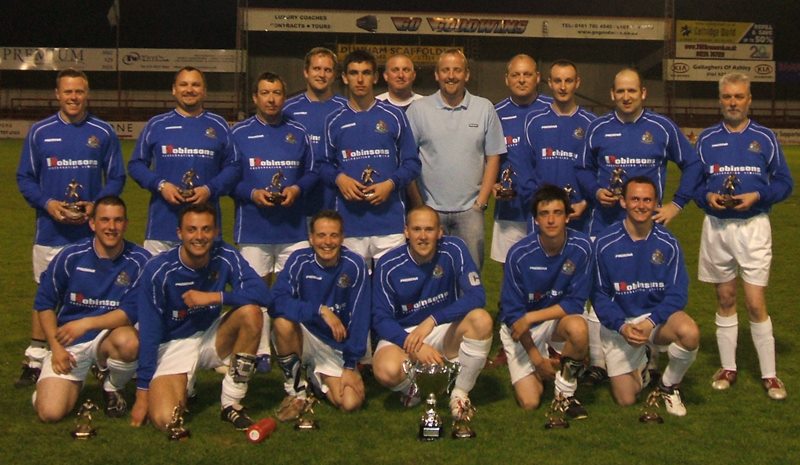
(431, 380)
(729, 190)
(275, 188)
(175, 429)
(187, 183)
(650, 409)
(506, 190)
(557, 415)
(306, 420)
(367, 179)
(616, 181)
(83, 424)
(75, 208)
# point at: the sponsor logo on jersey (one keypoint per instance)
(315, 139)
(55, 162)
(538, 268)
(258, 162)
(77, 298)
(93, 142)
(616, 160)
(381, 127)
(184, 283)
(657, 258)
(578, 133)
(539, 295)
(550, 152)
(624, 255)
(424, 303)
(438, 271)
(731, 169)
(361, 153)
(84, 269)
(754, 147)
(314, 277)
(344, 281)
(624, 287)
(183, 313)
(409, 280)
(647, 138)
(290, 138)
(53, 139)
(568, 268)
(173, 151)
(512, 141)
(123, 279)
(211, 133)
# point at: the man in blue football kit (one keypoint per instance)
(737, 237)
(179, 300)
(187, 145)
(545, 286)
(77, 303)
(311, 108)
(277, 169)
(69, 151)
(321, 316)
(640, 291)
(511, 215)
(371, 157)
(428, 308)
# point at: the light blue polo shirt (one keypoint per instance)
(453, 143)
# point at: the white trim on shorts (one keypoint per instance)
(85, 355)
(374, 246)
(269, 258)
(504, 235)
(519, 363)
(735, 246)
(42, 256)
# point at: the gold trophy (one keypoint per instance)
(175, 429)
(83, 424)
(431, 379)
(275, 188)
(367, 179)
(650, 409)
(729, 190)
(306, 421)
(187, 183)
(506, 190)
(569, 190)
(75, 209)
(616, 181)
(557, 415)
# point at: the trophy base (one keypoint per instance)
(305, 424)
(186, 193)
(430, 433)
(463, 431)
(276, 198)
(556, 423)
(75, 212)
(84, 433)
(730, 202)
(506, 194)
(178, 434)
(651, 417)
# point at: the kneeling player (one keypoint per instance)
(181, 325)
(640, 290)
(321, 314)
(545, 285)
(78, 302)
(428, 307)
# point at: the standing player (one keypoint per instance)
(276, 159)
(545, 286)
(460, 141)
(172, 148)
(310, 109)
(428, 308)
(640, 290)
(70, 147)
(322, 312)
(179, 302)
(399, 76)
(511, 215)
(737, 235)
(632, 141)
(371, 157)
(77, 304)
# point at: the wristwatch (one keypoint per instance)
(482, 206)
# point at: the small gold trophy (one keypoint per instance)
(306, 421)
(187, 183)
(431, 379)
(650, 409)
(569, 190)
(557, 415)
(83, 424)
(175, 429)
(729, 190)
(367, 179)
(75, 209)
(616, 181)
(506, 191)
(461, 425)
(275, 188)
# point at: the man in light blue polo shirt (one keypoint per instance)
(460, 141)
